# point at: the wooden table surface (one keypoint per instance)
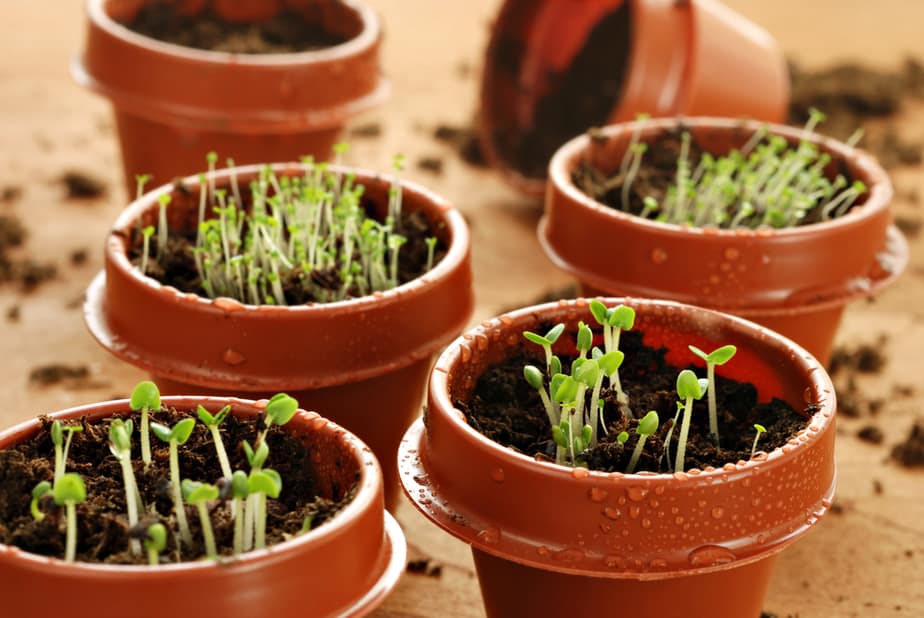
(866, 561)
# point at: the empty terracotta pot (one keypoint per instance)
(344, 567)
(555, 68)
(174, 104)
(552, 540)
(793, 280)
(363, 363)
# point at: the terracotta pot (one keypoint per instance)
(558, 541)
(794, 280)
(345, 567)
(174, 104)
(694, 58)
(363, 363)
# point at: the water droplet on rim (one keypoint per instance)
(497, 474)
(658, 256)
(233, 357)
(490, 535)
(597, 495)
(710, 555)
(637, 494)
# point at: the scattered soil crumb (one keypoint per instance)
(75, 302)
(425, 566)
(871, 434)
(79, 256)
(371, 129)
(464, 141)
(909, 553)
(12, 232)
(903, 390)
(26, 271)
(82, 185)
(47, 375)
(430, 164)
(10, 194)
(463, 69)
(773, 615)
(13, 313)
(837, 508)
(864, 358)
(910, 226)
(910, 453)
(877, 487)
(852, 403)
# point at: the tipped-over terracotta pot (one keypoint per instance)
(344, 567)
(612, 60)
(363, 363)
(174, 104)
(551, 540)
(793, 280)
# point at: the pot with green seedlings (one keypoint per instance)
(335, 285)
(91, 521)
(574, 447)
(733, 215)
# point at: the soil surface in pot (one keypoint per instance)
(658, 174)
(582, 96)
(286, 32)
(506, 409)
(178, 267)
(103, 532)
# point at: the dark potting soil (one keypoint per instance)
(103, 531)
(83, 185)
(25, 271)
(506, 409)
(425, 566)
(46, 375)
(910, 453)
(464, 140)
(862, 358)
(286, 32)
(178, 267)
(658, 173)
(581, 97)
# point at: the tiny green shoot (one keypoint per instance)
(646, 427)
(68, 492)
(255, 459)
(145, 397)
(622, 437)
(760, 429)
(719, 356)
(279, 410)
(689, 388)
(146, 234)
(546, 341)
(62, 445)
(155, 542)
(42, 489)
(212, 422)
(262, 484)
(240, 489)
(198, 494)
(174, 437)
(120, 445)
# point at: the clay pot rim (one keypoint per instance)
(369, 486)
(861, 163)
(370, 32)
(439, 392)
(455, 254)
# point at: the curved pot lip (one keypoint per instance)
(369, 487)
(425, 495)
(455, 254)
(878, 199)
(371, 31)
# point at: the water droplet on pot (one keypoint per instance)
(612, 513)
(646, 523)
(497, 474)
(506, 320)
(637, 494)
(807, 394)
(761, 539)
(731, 253)
(658, 256)
(233, 357)
(597, 495)
(227, 304)
(710, 555)
(615, 561)
(580, 473)
(569, 555)
(466, 353)
(715, 279)
(659, 563)
(490, 535)
(718, 512)
(542, 551)
(634, 511)
(422, 479)
(659, 490)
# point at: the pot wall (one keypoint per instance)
(361, 549)
(174, 104)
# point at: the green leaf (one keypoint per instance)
(222, 414)
(69, 488)
(119, 436)
(183, 429)
(260, 482)
(598, 310)
(161, 431)
(195, 492)
(688, 385)
(556, 331)
(760, 429)
(585, 337)
(611, 362)
(586, 434)
(145, 396)
(533, 377)
(555, 384)
(648, 425)
(559, 436)
(205, 416)
(57, 434)
(578, 444)
(537, 339)
(622, 317)
(699, 352)
(239, 486)
(257, 458)
(722, 355)
(567, 390)
(156, 538)
(623, 437)
(587, 373)
(555, 365)
(281, 408)
(39, 491)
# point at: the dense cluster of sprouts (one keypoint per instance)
(577, 410)
(767, 183)
(247, 492)
(295, 230)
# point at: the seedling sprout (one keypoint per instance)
(62, 445)
(212, 423)
(145, 397)
(279, 411)
(240, 489)
(120, 445)
(760, 429)
(689, 388)
(646, 427)
(42, 489)
(155, 542)
(262, 484)
(546, 342)
(176, 436)
(719, 356)
(68, 492)
(198, 494)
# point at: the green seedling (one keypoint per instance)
(255, 459)
(140, 181)
(162, 230)
(585, 340)
(546, 342)
(68, 492)
(212, 423)
(262, 484)
(665, 454)
(535, 379)
(42, 489)
(146, 398)
(240, 490)
(146, 234)
(622, 437)
(175, 437)
(609, 366)
(306, 524)
(120, 445)
(155, 542)
(689, 388)
(719, 356)
(646, 427)
(199, 494)
(614, 320)
(62, 445)
(279, 410)
(760, 429)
